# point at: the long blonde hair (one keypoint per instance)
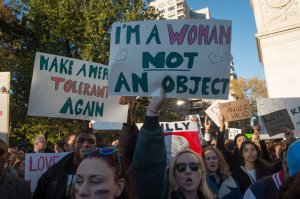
(203, 187)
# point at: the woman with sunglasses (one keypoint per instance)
(187, 173)
(187, 176)
(219, 180)
(253, 167)
(101, 175)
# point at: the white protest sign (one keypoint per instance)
(4, 105)
(38, 163)
(107, 125)
(70, 88)
(213, 111)
(191, 58)
(232, 132)
(180, 135)
(266, 106)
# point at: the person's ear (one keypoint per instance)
(120, 184)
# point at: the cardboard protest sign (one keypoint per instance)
(213, 111)
(191, 58)
(38, 163)
(236, 110)
(180, 135)
(266, 106)
(70, 88)
(232, 132)
(4, 105)
(274, 121)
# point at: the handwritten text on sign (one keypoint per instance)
(71, 88)
(236, 110)
(276, 120)
(270, 105)
(38, 163)
(232, 132)
(189, 57)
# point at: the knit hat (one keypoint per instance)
(293, 158)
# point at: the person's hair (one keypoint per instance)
(262, 167)
(123, 172)
(203, 187)
(5, 144)
(235, 139)
(38, 138)
(290, 188)
(223, 166)
(67, 137)
(59, 144)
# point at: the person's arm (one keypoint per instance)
(150, 158)
(129, 132)
(207, 129)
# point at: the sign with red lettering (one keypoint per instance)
(71, 88)
(190, 58)
(38, 163)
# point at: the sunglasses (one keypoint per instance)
(2, 151)
(105, 151)
(181, 167)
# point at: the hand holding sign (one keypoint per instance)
(156, 103)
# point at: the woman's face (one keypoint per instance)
(189, 178)
(249, 153)
(96, 179)
(240, 140)
(211, 161)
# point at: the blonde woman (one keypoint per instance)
(187, 176)
(219, 180)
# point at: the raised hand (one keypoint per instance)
(156, 103)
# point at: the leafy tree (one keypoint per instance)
(77, 29)
(251, 89)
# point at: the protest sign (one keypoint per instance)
(194, 118)
(70, 88)
(180, 135)
(232, 132)
(236, 110)
(38, 163)
(213, 111)
(106, 125)
(191, 58)
(4, 105)
(274, 121)
(266, 106)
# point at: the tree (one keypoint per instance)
(77, 29)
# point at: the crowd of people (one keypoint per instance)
(135, 166)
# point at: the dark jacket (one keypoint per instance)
(128, 140)
(149, 161)
(52, 184)
(13, 187)
(243, 178)
(227, 189)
